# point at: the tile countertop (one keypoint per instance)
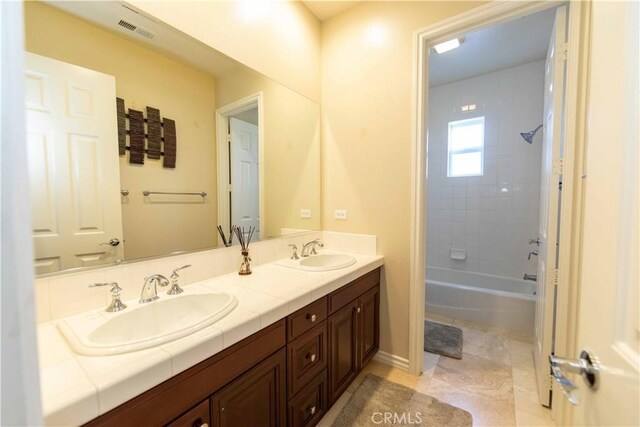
(76, 388)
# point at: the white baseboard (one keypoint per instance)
(393, 360)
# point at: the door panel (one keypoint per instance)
(549, 203)
(608, 320)
(73, 164)
(245, 207)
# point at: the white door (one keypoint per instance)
(74, 175)
(245, 206)
(549, 203)
(608, 321)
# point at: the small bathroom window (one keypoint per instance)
(466, 147)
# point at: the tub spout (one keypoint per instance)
(532, 277)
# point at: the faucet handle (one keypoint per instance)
(116, 304)
(294, 255)
(175, 288)
(175, 274)
(115, 289)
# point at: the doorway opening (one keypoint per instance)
(468, 140)
(240, 180)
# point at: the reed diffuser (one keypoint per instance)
(226, 242)
(244, 238)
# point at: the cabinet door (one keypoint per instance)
(369, 320)
(257, 398)
(343, 349)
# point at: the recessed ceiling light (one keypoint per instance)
(448, 45)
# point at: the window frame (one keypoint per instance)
(480, 149)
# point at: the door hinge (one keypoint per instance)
(563, 51)
(229, 138)
(558, 167)
(549, 382)
(229, 190)
(556, 276)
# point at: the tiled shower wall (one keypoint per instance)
(494, 215)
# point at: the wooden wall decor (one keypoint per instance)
(136, 137)
(169, 143)
(154, 129)
(122, 126)
(158, 131)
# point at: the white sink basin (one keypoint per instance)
(321, 262)
(145, 325)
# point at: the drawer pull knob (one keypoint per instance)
(312, 410)
(204, 425)
(311, 317)
(358, 310)
(311, 357)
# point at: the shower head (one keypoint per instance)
(528, 136)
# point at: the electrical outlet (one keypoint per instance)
(340, 214)
(305, 213)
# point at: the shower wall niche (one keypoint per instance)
(492, 216)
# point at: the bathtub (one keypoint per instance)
(482, 298)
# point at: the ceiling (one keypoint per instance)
(495, 48)
(150, 33)
(325, 9)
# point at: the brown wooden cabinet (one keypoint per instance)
(196, 417)
(343, 349)
(369, 319)
(289, 373)
(257, 398)
(354, 331)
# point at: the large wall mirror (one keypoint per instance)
(250, 143)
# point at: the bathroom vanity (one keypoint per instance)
(289, 373)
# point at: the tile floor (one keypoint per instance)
(494, 381)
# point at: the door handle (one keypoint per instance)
(586, 365)
(113, 242)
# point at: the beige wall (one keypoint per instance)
(367, 66)
(143, 78)
(280, 39)
(291, 149)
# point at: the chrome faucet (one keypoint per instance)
(309, 248)
(532, 253)
(150, 287)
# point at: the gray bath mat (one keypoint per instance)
(442, 339)
(381, 402)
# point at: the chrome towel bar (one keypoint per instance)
(202, 194)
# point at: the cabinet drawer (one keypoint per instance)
(197, 417)
(348, 293)
(310, 405)
(306, 318)
(307, 356)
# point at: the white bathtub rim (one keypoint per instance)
(509, 294)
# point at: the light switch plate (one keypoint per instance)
(340, 214)
(305, 213)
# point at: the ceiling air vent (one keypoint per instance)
(141, 31)
(145, 33)
(129, 26)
